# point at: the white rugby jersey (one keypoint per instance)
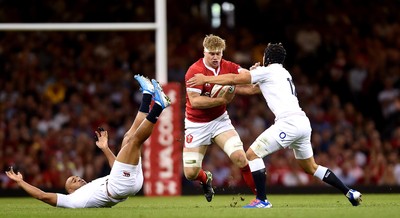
(277, 87)
(93, 194)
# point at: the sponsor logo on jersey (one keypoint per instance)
(126, 173)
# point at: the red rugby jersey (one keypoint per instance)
(209, 114)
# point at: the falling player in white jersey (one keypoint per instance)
(126, 176)
(292, 128)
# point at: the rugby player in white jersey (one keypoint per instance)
(291, 129)
(126, 176)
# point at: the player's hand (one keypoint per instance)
(228, 96)
(255, 66)
(197, 79)
(101, 138)
(17, 177)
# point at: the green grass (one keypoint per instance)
(324, 205)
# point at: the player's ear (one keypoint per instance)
(263, 60)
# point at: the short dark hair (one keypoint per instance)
(274, 53)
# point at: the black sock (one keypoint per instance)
(260, 179)
(146, 101)
(332, 180)
(154, 113)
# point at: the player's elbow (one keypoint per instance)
(198, 104)
(47, 198)
(195, 105)
(41, 197)
(255, 90)
(236, 81)
(243, 78)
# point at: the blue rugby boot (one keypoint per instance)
(159, 96)
(145, 84)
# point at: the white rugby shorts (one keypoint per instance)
(125, 180)
(197, 134)
(290, 132)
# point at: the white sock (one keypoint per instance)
(320, 172)
(256, 164)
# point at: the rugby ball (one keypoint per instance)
(219, 90)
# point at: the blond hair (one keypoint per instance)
(214, 43)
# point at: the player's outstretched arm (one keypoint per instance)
(102, 143)
(248, 89)
(243, 77)
(46, 197)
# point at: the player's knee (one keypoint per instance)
(192, 162)
(239, 158)
(312, 169)
(130, 139)
(309, 168)
(250, 155)
(233, 147)
(309, 171)
(191, 173)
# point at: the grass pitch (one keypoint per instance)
(321, 205)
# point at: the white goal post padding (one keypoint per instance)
(160, 28)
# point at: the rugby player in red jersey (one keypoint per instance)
(207, 121)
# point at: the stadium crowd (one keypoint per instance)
(58, 87)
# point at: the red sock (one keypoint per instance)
(248, 178)
(202, 177)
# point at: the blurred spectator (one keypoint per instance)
(388, 98)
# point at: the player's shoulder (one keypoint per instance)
(229, 66)
(228, 63)
(271, 69)
(198, 65)
(275, 67)
(195, 68)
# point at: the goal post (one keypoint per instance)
(159, 27)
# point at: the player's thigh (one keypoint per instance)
(197, 134)
(266, 142)
(125, 179)
(301, 146)
(226, 137)
(199, 150)
(230, 142)
(223, 137)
